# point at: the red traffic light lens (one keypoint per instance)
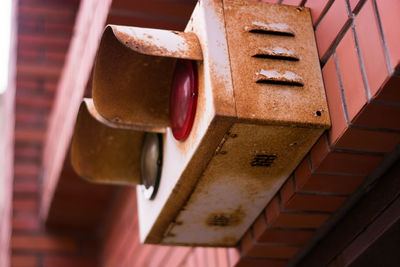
(183, 99)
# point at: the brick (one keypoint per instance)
(276, 218)
(51, 27)
(259, 226)
(24, 118)
(32, 101)
(50, 86)
(337, 184)
(350, 70)
(210, 254)
(179, 254)
(28, 84)
(25, 204)
(163, 253)
(300, 220)
(30, 135)
(28, 222)
(389, 11)
(311, 202)
(325, 160)
(191, 261)
(371, 47)
(68, 3)
(316, 7)
(29, 55)
(285, 236)
(49, 11)
(264, 234)
(26, 169)
(379, 115)
(29, 25)
(222, 257)
(246, 262)
(26, 187)
(330, 26)
(43, 70)
(355, 5)
(251, 249)
(68, 261)
(368, 140)
(273, 210)
(233, 256)
(390, 91)
(43, 243)
(55, 56)
(306, 180)
(42, 40)
(292, 200)
(335, 101)
(24, 261)
(29, 152)
(200, 256)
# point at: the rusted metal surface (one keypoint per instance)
(260, 151)
(255, 119)
(274, 77)
(131, 81)
(276, 53)
(155, 42)
(270, 28)
(252, 159)
(185, 161)
(275, 90)
(102, 154)
(237, 184)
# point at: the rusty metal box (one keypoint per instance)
(261, 106)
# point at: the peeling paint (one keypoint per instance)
(276, 52)
(273, 75)
(272, 28)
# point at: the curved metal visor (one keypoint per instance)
(103, 154)
(133, 74)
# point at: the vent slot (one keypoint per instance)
(272, 28)
(220, 220)
(276, 53)
(263, 160)
(274, 77)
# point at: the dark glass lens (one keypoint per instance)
(150, 163)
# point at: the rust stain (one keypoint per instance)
(221, 144)
(273, 76)
(224, 219)
(140, 45)
(271, 28)
(276, 53)
(187, 46)
(227, 240)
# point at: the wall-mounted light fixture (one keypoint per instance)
(211, 121)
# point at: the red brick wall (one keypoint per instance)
(7, 148)
(358, 46)
(44, 31)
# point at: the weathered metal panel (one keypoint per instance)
(131, 81)
(185, 161)
(280, 100)
(261, 106)
(103, 154)
(248, 168)
(275, 67)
